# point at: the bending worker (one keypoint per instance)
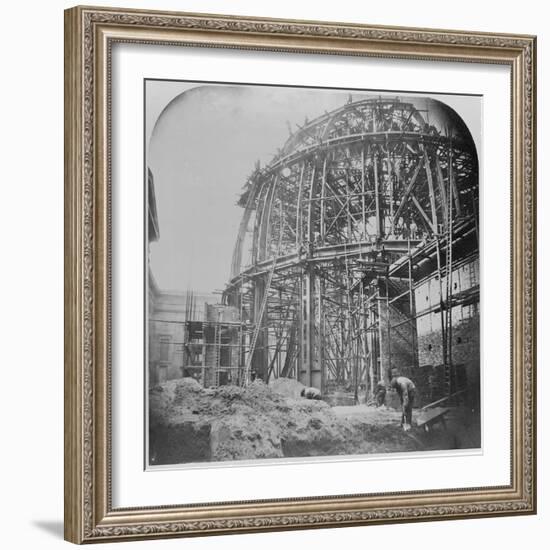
(406, 390)
(380, 393)
(311, 393)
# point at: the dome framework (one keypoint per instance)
(333, 231)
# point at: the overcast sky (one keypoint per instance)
(203, 141)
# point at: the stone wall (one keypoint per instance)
(465, 344)
(465, 336)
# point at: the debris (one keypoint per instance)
(287, 387)
(192, 424)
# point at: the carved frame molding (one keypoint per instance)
(89, 35)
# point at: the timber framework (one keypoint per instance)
(357, 256)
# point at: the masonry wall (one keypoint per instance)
(465, 335)
(397, 349)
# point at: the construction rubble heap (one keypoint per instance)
(189, 423)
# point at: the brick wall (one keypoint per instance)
(429, 376)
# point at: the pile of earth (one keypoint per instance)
(287, 387)
(188, 423)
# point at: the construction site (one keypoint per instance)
(356, 261)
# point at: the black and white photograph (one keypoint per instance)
(312, 274)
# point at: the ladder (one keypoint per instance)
(258, 325)
(217, 355)
(449, 291)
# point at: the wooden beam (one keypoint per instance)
(453, 182)
(431, 190)
(424, 215)
(299, 208)
(408, 191)
(442, 191)
(376, 195)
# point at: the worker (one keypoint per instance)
(311, 393)
(406, 390)
(380, 393)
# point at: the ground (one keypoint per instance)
(188, 423)
(461, 430)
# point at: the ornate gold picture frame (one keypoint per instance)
(90, 35)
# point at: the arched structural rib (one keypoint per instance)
(329, 223)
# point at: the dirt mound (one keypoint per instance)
(192, 424)
(287, 387)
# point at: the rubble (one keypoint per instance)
(288, 387)
(191, 424)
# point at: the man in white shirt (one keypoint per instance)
(406, 390)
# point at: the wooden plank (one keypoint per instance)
(431, 416)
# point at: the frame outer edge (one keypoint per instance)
(83, 516)
(530, 161)
(534, 271)
(73, 295)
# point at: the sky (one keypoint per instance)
(203, 142)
